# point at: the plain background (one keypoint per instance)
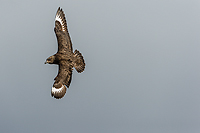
(142, 67)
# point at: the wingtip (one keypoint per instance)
(58, 93)
(59, 9)
(60, 17)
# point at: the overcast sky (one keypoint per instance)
(142, 67)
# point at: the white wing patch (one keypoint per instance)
(59, 19)
(54, 90)
(59, 90)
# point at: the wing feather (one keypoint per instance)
(64, 73)
(63, 78)
(60, 17)
(63, 38)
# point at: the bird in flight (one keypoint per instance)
(65, 57)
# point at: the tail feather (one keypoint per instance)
(79, 63)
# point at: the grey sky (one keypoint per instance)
(142, 67)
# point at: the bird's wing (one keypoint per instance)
(63, 78)
(63, 38)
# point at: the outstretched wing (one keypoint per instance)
(63, 78)
(63, 38)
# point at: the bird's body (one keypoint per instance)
(64, 57)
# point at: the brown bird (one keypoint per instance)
(64, 57)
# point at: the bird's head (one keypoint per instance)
(50, 60)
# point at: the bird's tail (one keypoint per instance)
(79, 62)
(58, 90)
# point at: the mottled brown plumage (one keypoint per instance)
(64, 57)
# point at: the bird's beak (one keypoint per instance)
(45, 63)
